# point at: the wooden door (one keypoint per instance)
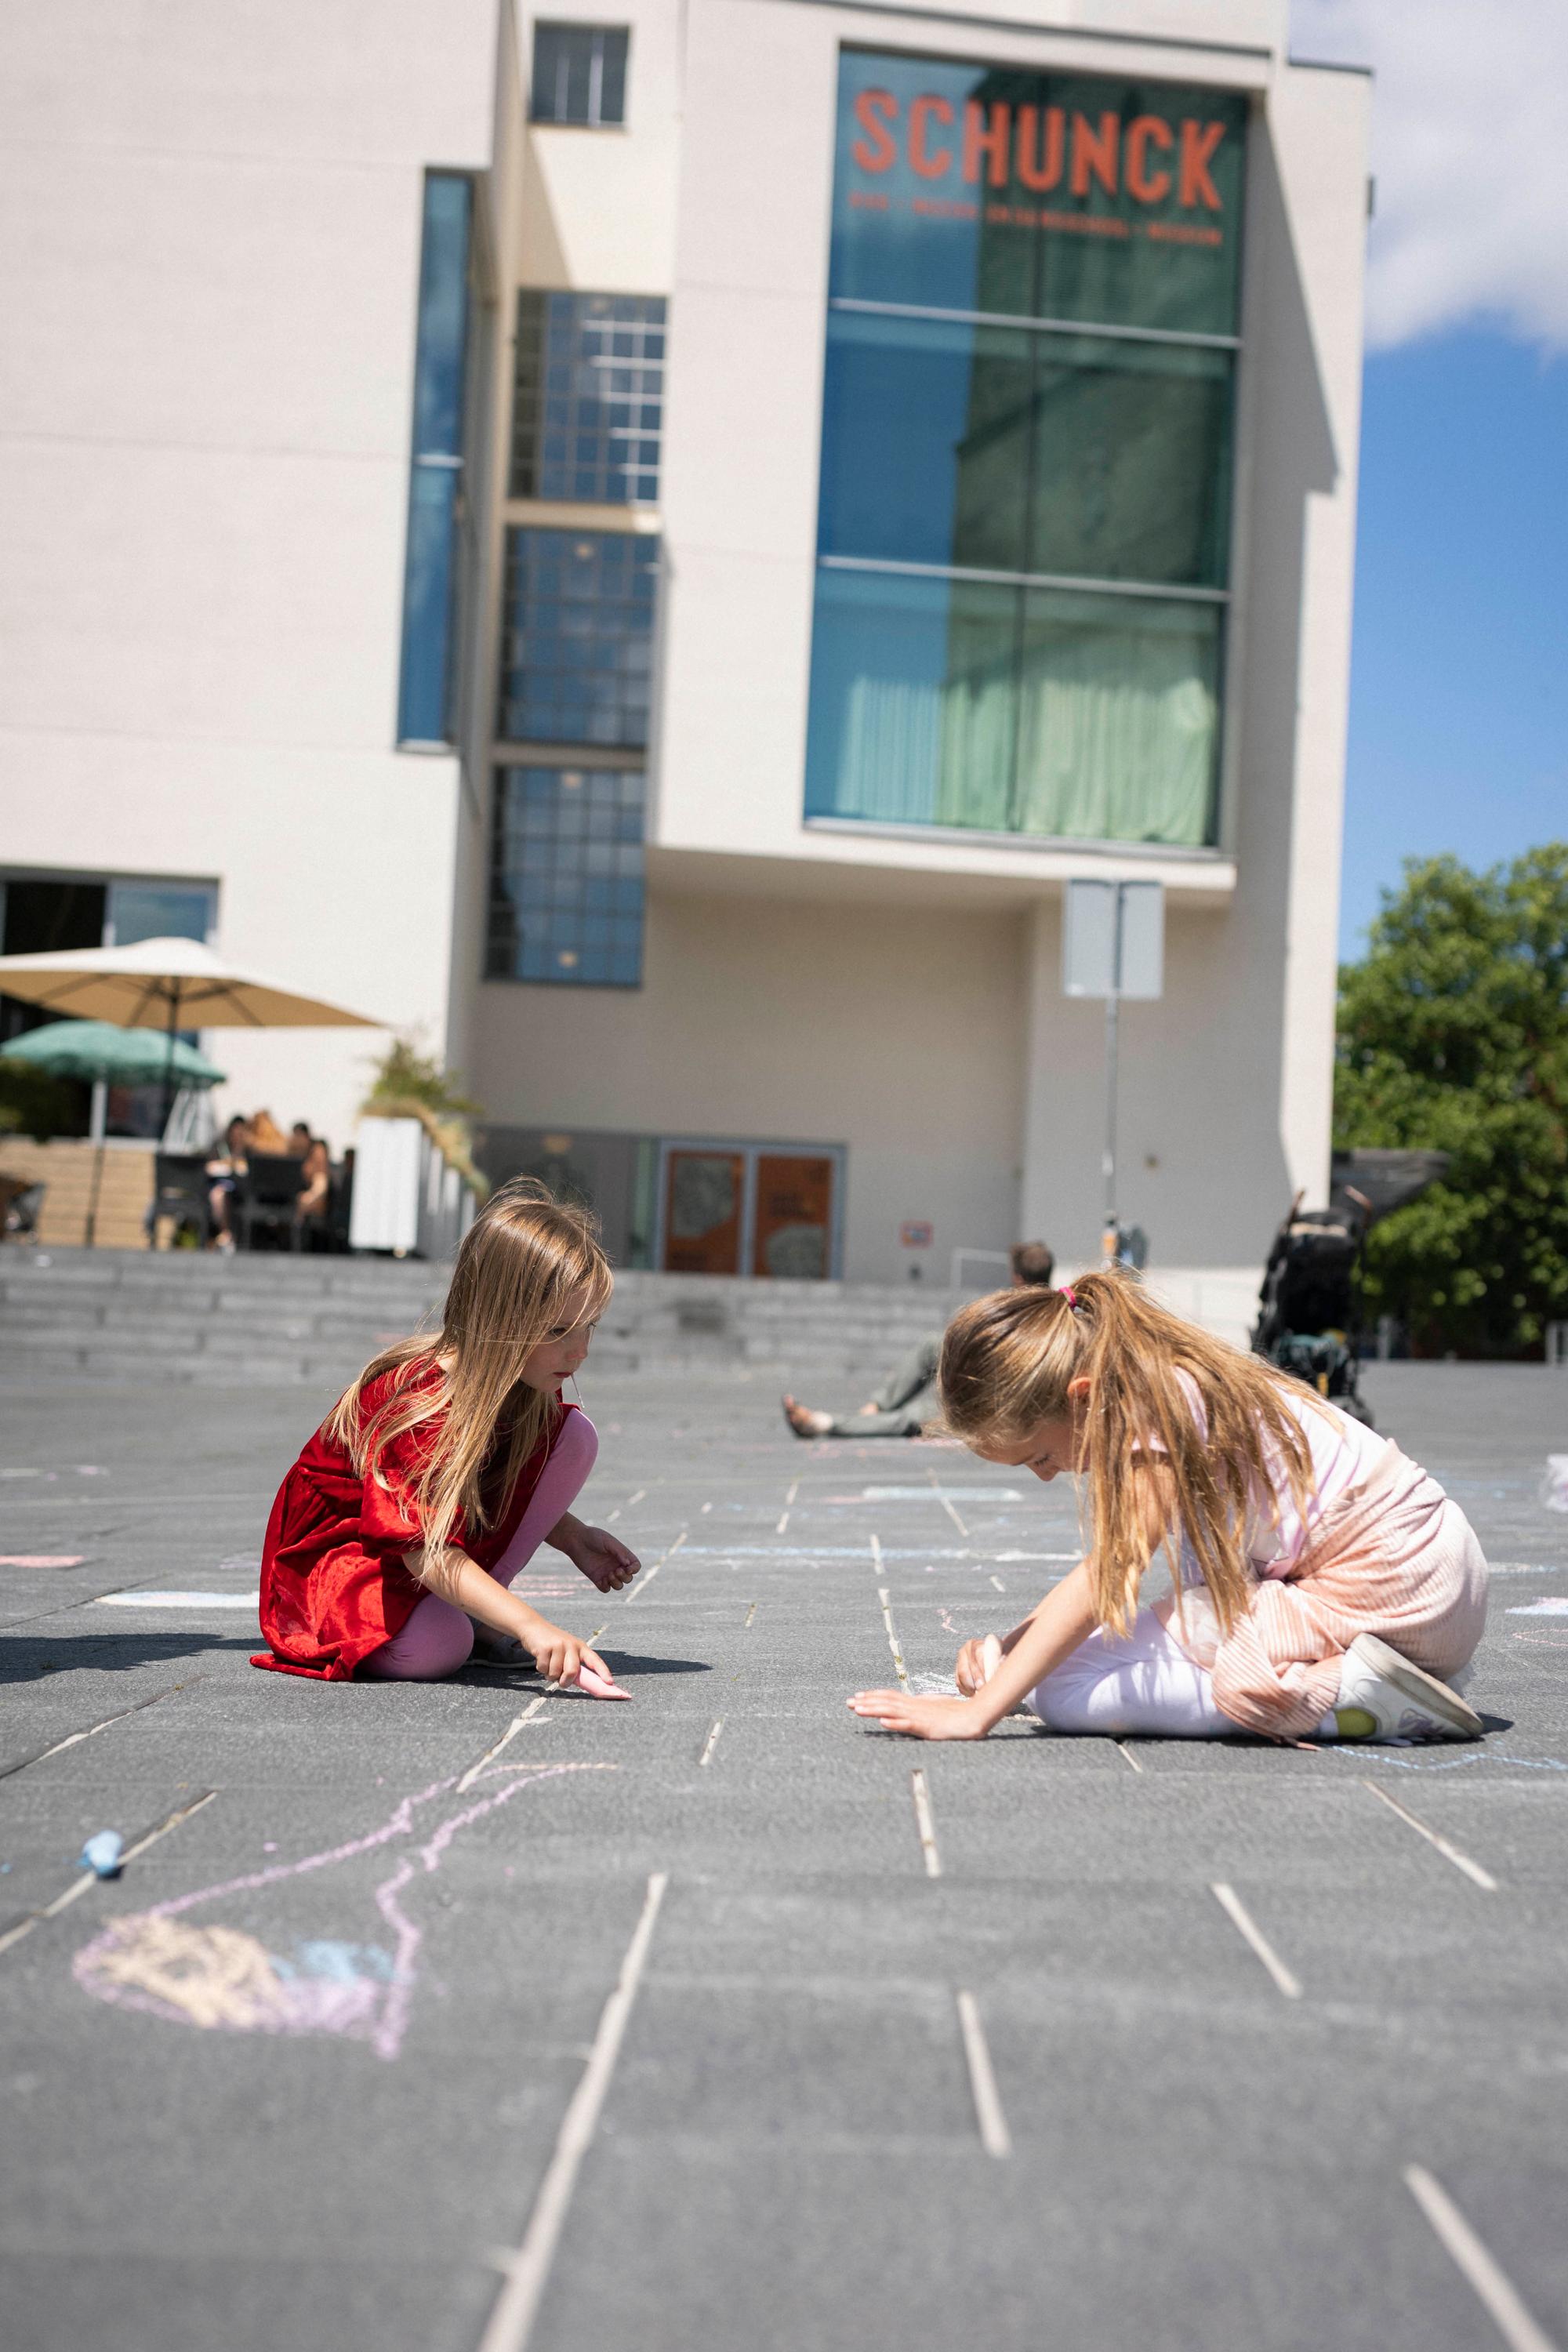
(793, 1235)
(704, 1194)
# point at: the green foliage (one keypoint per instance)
(404, 1074)
(1453, 1035)
(34, 1102)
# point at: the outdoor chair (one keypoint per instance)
(266, 1196)
(180, 1192)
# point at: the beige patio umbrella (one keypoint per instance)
(167, 985)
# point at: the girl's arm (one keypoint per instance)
(1064, 1618)
(462, 1581)
(601, 1557)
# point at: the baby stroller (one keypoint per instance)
(1309, 1309)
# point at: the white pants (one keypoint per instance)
(1145, 1685)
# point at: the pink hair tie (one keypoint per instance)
(1070, 1295)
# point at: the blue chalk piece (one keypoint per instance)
(101, 1853)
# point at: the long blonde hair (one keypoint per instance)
(520, 1260)
(1007, 1364)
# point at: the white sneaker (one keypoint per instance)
(1383, 1696)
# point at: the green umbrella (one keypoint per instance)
(95, 1050)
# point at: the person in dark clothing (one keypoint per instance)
(906, 1403)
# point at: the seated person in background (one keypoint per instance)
(227, 1161)
(906, 1403)
(318, 1160)
(268, 1140)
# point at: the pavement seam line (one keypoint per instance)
(1494, 2290)
(78, 1886)
(892, 1637)
(995, 2137)
(1242, 1920)
(1450, 1853)
(925, 1822)
(513, 1727)
(42, 1755)
(528, 2269)
(659, 1563)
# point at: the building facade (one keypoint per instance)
(649, 546)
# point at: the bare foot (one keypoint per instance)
(804, 1421)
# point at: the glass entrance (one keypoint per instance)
(761, 1209)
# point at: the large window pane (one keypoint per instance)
(577, 636)
(1006, 711)
(1118, 719)
(924, 442)
(1130, 477)
(588, 394)
(911, 700)
(1052, 196)
(990, 449)
(424, 696)
(579, 75)
(566, 877)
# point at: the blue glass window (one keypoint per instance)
(577, 636)
(1025, 515)
(588, 397)
(579, 75)
(566, 877)
(424, 713)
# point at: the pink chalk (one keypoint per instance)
(598, 1686)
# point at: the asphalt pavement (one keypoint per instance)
(433, 2018)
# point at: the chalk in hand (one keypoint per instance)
(598, 1686)
(102, 1851)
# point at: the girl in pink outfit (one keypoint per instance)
(1324, 1585)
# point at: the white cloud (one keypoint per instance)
(1466, 147)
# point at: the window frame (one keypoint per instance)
(597, 33)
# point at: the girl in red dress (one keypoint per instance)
(446, 1466)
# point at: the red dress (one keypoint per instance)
(334, 1585)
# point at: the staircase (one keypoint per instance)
(138, 1315)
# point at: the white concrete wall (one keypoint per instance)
(209, 239)
(799, 1022)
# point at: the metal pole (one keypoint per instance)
(1112, 1029)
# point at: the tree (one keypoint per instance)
(1453, 1035)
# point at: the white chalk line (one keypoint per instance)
(1493, 2288)
(1450, 1853)
(750, 1616)
(876, 1555)
(995, 2137)
(648, 1575)
(78, 1886)
(1126, 1754)
(924, 1822)
(1231, 1903)
(892, 1637)
(998, 1584)
(709, 1744)
(527, 2270)
(946, 1502)
(513, 1727)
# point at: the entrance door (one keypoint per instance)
(793, 1235)
(704, 1197)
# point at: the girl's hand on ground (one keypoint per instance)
(560, 1656)
(604, 1559)
(977, 1661)
(922, 1718)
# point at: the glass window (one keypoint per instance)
(424, 698)
(1003, 709)
(962, 187)
(566, 876)
(579, 75)
(990, 449)
(577, 636)
(157, 911)
(588, 394)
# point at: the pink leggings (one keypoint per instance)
(438, 1637)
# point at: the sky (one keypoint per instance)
(1458, 734)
